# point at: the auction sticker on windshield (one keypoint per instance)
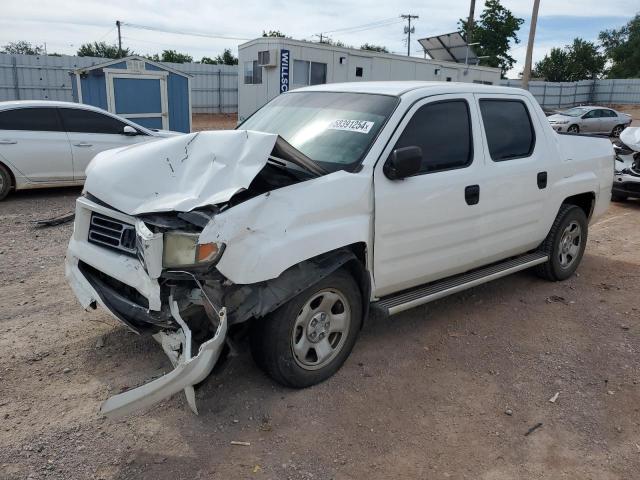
(362, 126)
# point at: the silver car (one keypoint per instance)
(590, 120)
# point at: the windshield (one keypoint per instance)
(574, 112)
(333, 129)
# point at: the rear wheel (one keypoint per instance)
(308, 339)
(573, 129)
(564, 244)
(617, 130)
(5, 182)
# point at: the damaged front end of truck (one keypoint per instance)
(150, 238)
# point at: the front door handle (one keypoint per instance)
(83, 144)
(472, 194)
(8, 142)
(542, 180)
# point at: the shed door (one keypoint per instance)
(142, 98)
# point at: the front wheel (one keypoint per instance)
(617, 130)
(307, 340)
(573, 129)
(5, 182)
(564, 244)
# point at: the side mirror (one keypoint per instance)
(403, 162)
(129, 130)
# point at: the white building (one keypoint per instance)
(269, 66)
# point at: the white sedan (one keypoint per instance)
(50, 144)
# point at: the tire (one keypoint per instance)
(573, 129)
(284, 343)
(5, 182)
(564, 244)
(617, 130)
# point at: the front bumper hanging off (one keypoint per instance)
(188, 371)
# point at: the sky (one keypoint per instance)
(65, 24)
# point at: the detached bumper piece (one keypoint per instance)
(188, 371)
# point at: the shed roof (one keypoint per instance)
(132, 57)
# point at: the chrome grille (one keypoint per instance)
(111, 233)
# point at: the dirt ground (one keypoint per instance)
(446, 391)
(213, 121)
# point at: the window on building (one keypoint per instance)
(448, 79)
(508, 127)
(252, 73)
(359, 71)
(482, 82)
(34, 119)
(443, 131)
(309, 73)
(86, 121)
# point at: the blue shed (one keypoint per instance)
(146, 92)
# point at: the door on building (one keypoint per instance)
(359, 68)
(140, 97)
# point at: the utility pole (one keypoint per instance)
(119, 39)
(472, 11)
(526, 75)
(409, 30)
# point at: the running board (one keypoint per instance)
(442, 288)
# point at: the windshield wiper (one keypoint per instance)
(283, 150)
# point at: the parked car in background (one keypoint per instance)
(590, 120)
(50, 144)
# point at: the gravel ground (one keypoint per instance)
(443, 391)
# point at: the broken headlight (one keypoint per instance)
(181, 249)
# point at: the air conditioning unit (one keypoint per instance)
(268, 58)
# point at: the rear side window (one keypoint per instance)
(34, 119)
(508, 127)
(443, 131)
(86, 121)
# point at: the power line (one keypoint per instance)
(179, 32)
(365, 25)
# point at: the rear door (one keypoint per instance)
(92, 132)
(34, 143)
(609, 120)
(518, 170)
(427, 226)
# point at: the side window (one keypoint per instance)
(252, 73)
(443, 131)
(609, 113)
(508, 127)
(591, 114)
(86, 121)
(34, 119)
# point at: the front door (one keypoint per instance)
(141, 98)
(591, 122)
(427, 226)
(33, 141)
(92, 132)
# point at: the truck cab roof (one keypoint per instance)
(399, 88)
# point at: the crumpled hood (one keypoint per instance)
(630, 136)
(179, 173)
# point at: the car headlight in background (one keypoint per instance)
(181, 249)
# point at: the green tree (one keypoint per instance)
(208, 61)
(622, 49)
(23, 48)
(494, 32)
(227, 58)
(102, 49)
(273, 33)
(175, 57)
(579, 61)
(374, 48)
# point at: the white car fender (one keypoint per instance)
(272, 232)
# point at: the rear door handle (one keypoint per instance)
(83, 144)
(8, 142)
(542, 180)
(472, 194)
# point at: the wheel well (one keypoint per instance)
(11, 175)
(585, 201)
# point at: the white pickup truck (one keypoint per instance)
(329, 202)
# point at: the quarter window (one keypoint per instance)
(508, 127)
(86, 121)
(443, 131)
(252, 73)
(34, 119)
